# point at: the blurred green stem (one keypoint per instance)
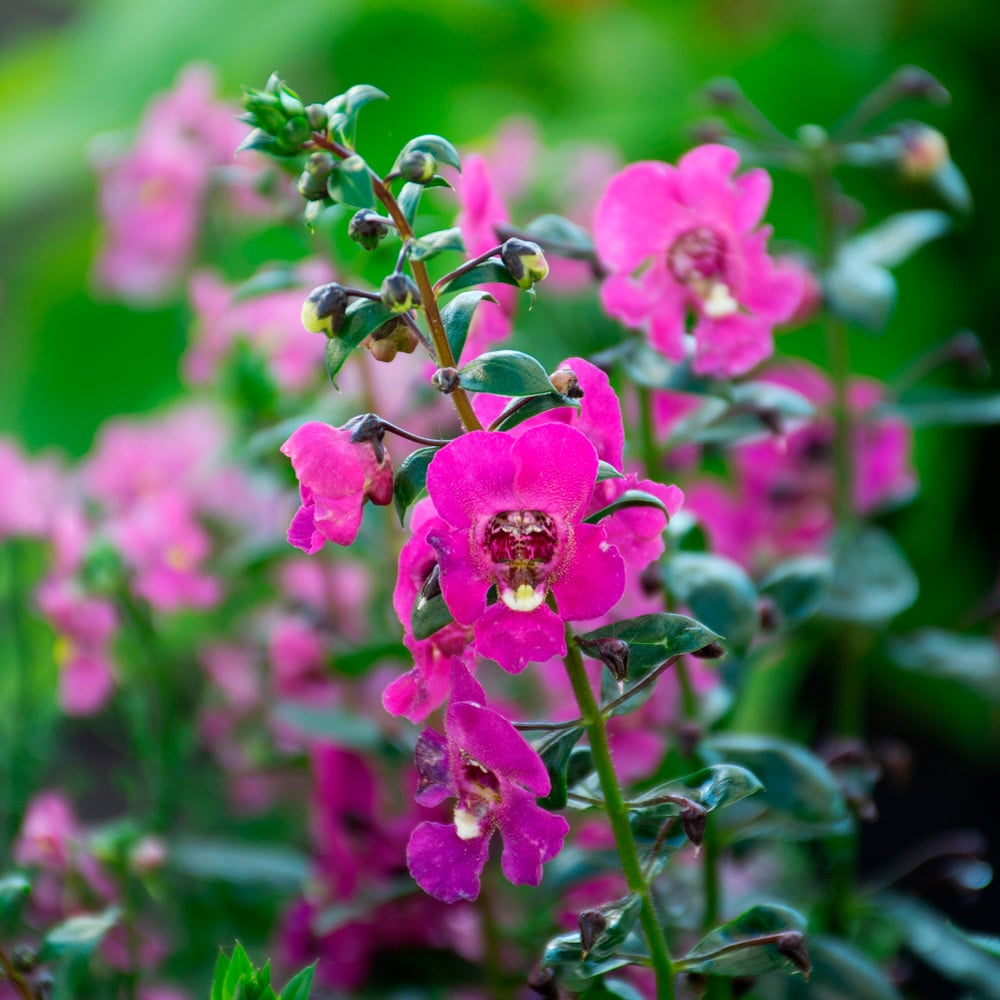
(597, 733)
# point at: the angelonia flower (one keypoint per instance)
(336, 476)
(684, 241)
(488, 767)
(510, 512)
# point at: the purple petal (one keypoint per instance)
(600, 416)
(431, 758)
(594, 576)
(703, 178)
(472, 477)
(731, 345)
(464, 687)
(516, 638)
(443, 865)
(753, 192)
(463, 585)
(637, 532)
(493, 742)
(302, 531)
(531, 836)
(556, 469)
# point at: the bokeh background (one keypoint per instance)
(601, 70)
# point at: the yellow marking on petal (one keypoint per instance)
(525, 598)
(719, 303)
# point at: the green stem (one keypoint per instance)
(20, 984)
(647, 431)
(597, 733)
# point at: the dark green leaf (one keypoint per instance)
(630, 498)
(442, 150)
(457, 318)
(605, 470)
(239, 863)
(363, 317)
(240, 968)
(555, 753)
(872, 581)
(950, 409)
(346, 729)
(561, 237)
(429, 616)
(670, 634)
(798, 586)
(298, 987)
(562, 955)
(505, 373)
(971, 660)
(351, 184)
(409, 200)
(519, 410)
(426, 247)
(718, 592)
(411, 479)
(716, 955)
(77, 935)
(490, 273)
(219, 976)
(800, 799)
(841, 972)
(14, 890)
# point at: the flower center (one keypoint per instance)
(478, 798)
(522, 545)
(697, 258)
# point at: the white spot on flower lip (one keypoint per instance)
(525, 598)
(466, 825)
(719, 303)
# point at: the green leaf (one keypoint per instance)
(77, 935)
(798, 586)
(441, 149)
(356, 97)
(716, 955)
(505, 373)
(712, 788)
(410, 479)
(841, 972)
(346, 729)
(898, 237)
(950, 409)
(239, 862)
(555, 753)
(519, 410)
(268, 281)
(621, 916)
(801, 799)
(240, 968)
(630, 498)
(605, 470)
(612, 989)
(872, 581)
(429, 616)
(14, 890)
(489, 273)
(971, 660)
(219, 976)
(718, 592)
(562, 954)
(426, 247)
(561, 237)
(655, 637)
(298, 987)
(409, 200)
(363, 317)
(457, 318)
(350, 183)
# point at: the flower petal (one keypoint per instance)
(472, 477)
(444, 865)
(516, 638)
(463, 586)
(531, 836)
(593, 578)
(556, 469)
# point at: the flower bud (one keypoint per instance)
(324, 308)
(390, 339)
(367, 229)
(694, 819)
(564, 381)
(613, 653)
(317, 117)
(294, 133)
(713, 651)
(924, 152)
(543, 982)
(312, 182)
(912, 81)
(525, 261)
(399, 293)
(418, 166)
(792, 945)
(592, 925)
(445, 380)
(147, 855)
(24, 958)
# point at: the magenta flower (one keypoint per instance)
(511, 511)
(682, 240)
(336, 477)
(484, 763)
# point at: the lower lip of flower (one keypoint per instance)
(522, 546)
(697, 258)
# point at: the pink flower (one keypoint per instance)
(336, 477)
(30, 494)
(683, 239)
(511, 511)
(485, 764)
(50, 835)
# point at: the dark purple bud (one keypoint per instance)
(650, 580)
(592, 924)
(688, 737)
(967, 349)
(24, 958)
(713, 651)
(367, 228)
(912, 81)
(399, 293)
(723, 92)
(543, 982)
(694, 820)
(368, 427)
(792, 945)
(697, 984)
(613, 653)
(389, 339)
(768, 614)
(445, 380)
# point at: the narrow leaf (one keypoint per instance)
(490, 273)
(409, 200)
(77, 934)
(298, 987)
(457, 318)
(426, 247)
(951, 409)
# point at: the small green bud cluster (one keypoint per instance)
(281, 122)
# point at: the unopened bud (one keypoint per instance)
(390, 339)
(651, 580)
(912, 81)
(368, 427)
(317, 117)
(147, 855)
(713, 651)
(924, 153)
(967, 349)
(431, 587)
(294, 133)
(418, 166)
(564, 381)
(694, 819)
(367, 229)
(768, 615)
(697, 984)
(543, 982)
(792, 945)
(399, 293)
(42, 984)
(324, 308)
(445, 380)
(613, 653)
(312, 181)
(592, 926)
(525, 261)
(722, 92)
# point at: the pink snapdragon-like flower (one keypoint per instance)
(484, 763)
(510, 515)
(336, 476)
(30, 493)
(682, 240)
